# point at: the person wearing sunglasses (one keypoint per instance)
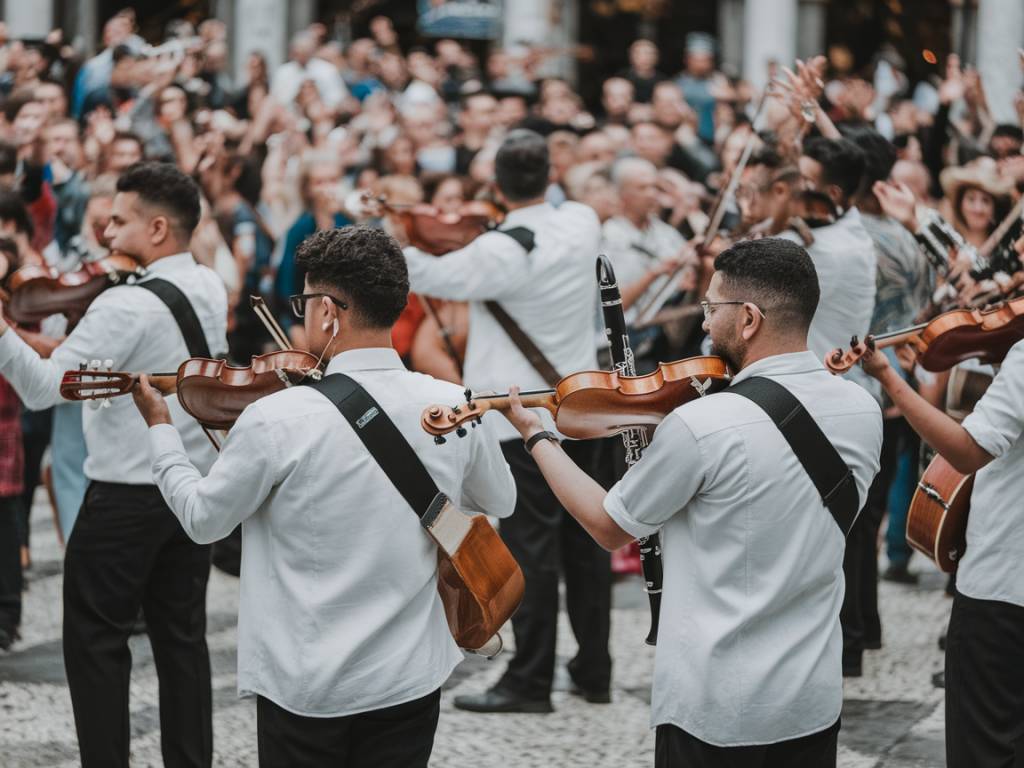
(747, 670)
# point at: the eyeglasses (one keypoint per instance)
(708, 305)
(299, 300)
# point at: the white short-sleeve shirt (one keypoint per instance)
(749, 644)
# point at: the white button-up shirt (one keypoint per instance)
(134, 329)
(749, 644)
(339, 611)
(634, 252)
(550, 292)
(845, 260)
(992, 567)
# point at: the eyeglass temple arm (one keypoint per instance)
(275, 330)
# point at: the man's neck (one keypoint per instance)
(370, 339)
(638, 220)
(524, 203)
(784, 347)
(868, 204)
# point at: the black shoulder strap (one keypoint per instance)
(183, 313)
(383, 440)
(827, 470)
(522, 235)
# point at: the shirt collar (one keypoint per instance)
(780, 365)
(171, 263)
(525, 215)
(364, 359)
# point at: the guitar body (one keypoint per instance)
(937, 519)
(479, 581)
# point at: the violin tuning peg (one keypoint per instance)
(461, 431)
(456, 409)
(439, 440)
(854, 341)
(469, 395)
(479, 420)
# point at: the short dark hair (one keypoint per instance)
(16, 101)
(522, 167)
(879, 154)
(774, 273)
(129, 136)
(12, 208)
(366, 266)
(842, 162)
(163, 186)
(1008, 130)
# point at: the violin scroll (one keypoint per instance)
(839, 361)
(440, 420)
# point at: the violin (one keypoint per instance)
(36, 291)
(438, 232)
(950, 338)
(210, 391)
(593, 404)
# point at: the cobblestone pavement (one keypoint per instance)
(892, 717)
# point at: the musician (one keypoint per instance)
(126, 551)
(984, 677)
(549, 291)
(341, 632)
(747, 668)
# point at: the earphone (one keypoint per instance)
(335, 326)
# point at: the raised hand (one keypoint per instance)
(898, 202)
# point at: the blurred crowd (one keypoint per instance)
(282, 153)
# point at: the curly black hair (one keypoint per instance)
(363, 266)
(879, 154)
(167, 189)
(774, 273)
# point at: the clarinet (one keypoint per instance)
(635, 440)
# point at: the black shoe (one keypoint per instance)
(592, 697)
(852, 664)
(501, 700)
(898, 574)
(939, 679)
(7, 638)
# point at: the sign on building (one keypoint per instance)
(470, 19)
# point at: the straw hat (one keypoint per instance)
(982, 173)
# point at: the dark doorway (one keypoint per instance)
(153, 15)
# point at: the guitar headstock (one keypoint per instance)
(440, 420)
(95, 381)
(839, 362)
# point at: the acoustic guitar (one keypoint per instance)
(937, 518)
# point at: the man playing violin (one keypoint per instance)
(747, 669)
(985, 641)
(342, 636)
(126, 550)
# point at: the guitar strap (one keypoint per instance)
(182, 312)
(385, 443)
(523, 342)
(820, 459)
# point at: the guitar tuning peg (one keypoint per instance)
(108, 364)
(94, 365)
(83, 365)
(439, 440)
(461, 431)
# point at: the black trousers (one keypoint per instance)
(545, 539)
(127, 551)
(985, 684)
(859, 614)
(675, 748)
(396, 737)
(10, 563)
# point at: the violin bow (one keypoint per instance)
(274, 328)
(666, 288)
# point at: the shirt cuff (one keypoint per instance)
(616, 510)
(163, 439)
(985, 435)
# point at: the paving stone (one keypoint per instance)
(892, 717)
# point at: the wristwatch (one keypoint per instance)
(538, 436)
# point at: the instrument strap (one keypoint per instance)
(519, 337)
(385, 443)
(182, 312)
(820, 459)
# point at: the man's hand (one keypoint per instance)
(527, 422)
(953, 86)
(897, 201)
(874, 363)
(150, 403)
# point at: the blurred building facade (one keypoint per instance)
(593, 35)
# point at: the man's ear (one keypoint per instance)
(752, 321)
(159, 229)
